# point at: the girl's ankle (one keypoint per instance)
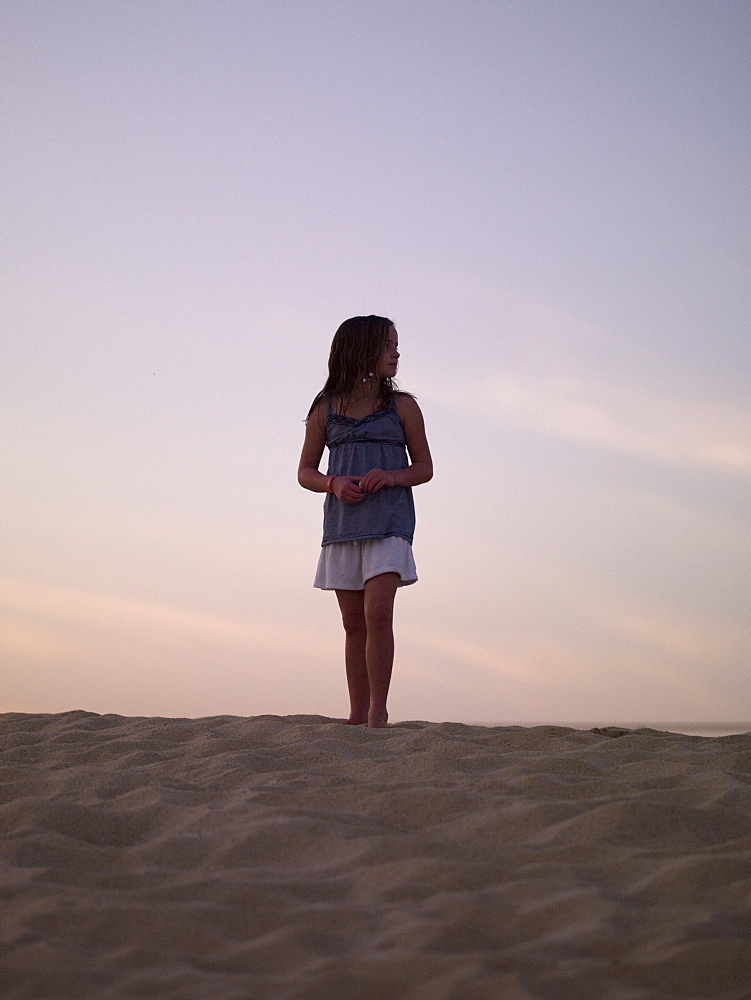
(378, 717)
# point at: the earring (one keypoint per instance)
(368, 377)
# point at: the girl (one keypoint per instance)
(368, 514)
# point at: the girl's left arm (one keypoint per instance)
(421, 468)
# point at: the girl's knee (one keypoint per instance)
(354, 622)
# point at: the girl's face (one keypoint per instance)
(390, 358)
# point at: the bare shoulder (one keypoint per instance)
(407, 406)
(315, 438)
(318, 416)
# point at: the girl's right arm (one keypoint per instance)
(312, 449)
(345, 488)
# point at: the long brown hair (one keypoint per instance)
(356, 351)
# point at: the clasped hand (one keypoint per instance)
(353, 489)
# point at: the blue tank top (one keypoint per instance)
(357, 445)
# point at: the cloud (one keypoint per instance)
(494, 660)
(599, 656)
(618, 418)
(49, 604)
(530, 364)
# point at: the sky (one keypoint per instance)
(549, 199)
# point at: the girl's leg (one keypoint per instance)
(351, 605)
(378, 609)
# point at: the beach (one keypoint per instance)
(231, 858)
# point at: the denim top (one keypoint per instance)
(357, 445)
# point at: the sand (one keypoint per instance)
(293, 857)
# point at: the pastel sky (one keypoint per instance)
(551, 202)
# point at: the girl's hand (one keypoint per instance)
(347, 489)
(374, 480)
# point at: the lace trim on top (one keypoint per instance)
(341, 418)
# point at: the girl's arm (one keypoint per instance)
(312, 449)
(420, 469)
(345, 488)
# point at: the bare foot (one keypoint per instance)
(378, 718)
(356, 720)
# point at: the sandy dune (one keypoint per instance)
(232, 859)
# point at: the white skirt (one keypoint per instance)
(347, 565)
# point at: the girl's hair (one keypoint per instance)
(356, 350)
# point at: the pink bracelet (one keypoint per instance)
(329, 481)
